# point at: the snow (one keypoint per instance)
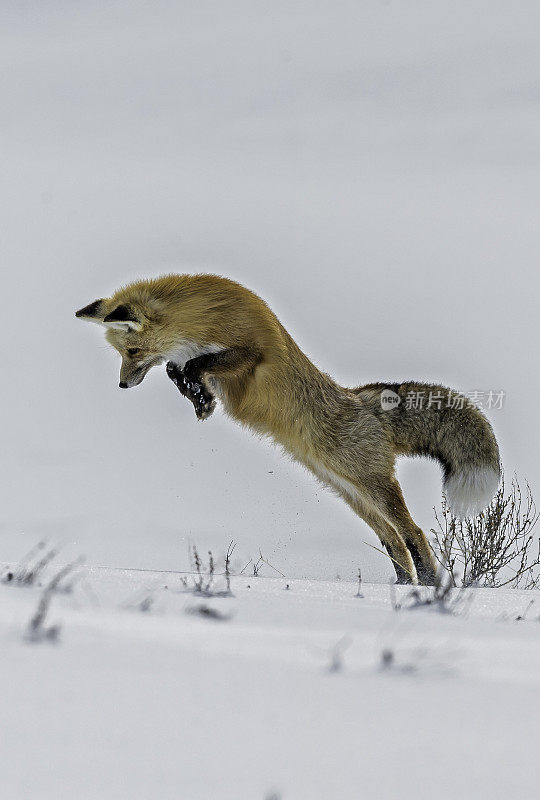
(164, 703)
(371, 170)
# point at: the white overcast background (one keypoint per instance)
(371, 169)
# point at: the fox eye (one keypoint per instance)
(132, 351)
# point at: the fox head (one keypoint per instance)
(177, 318)
(132, 333)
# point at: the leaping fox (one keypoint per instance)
(222, 341)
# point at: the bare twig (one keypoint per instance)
(245, 566)
(359, 592)
(257, 566)
(336, 654)
(230, 551)
(268, 564)
(521, 617)
(54, 584)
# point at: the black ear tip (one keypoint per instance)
(90, 310)
(121, 314)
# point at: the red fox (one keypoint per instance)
(221, 341)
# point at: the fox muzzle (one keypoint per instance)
(131, 375)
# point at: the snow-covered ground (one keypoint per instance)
(372, 170)
(298, 690)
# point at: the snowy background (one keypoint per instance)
(371, 169)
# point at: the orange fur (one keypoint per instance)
(341, 435)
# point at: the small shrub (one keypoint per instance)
(439, 597)
(203, 583)
(257, 566)
(32, 567)
(496, 548)
(207, 612)
(142, 600)
(417, 661)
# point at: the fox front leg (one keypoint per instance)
(234, 362)
(230, 367)
(203, 401)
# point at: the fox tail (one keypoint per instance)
(459, 437)
(470, 489)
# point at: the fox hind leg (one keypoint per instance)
(390, 538)
(391, 505)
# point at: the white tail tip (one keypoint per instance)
(468, 492)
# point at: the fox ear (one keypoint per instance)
(93, 312)
(123, 317)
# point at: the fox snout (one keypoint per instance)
(131, 378)
(132, 374)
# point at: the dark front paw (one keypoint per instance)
(193, 371)
(205, 406)
(191, 388)
(203, 401)
(177, 377)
